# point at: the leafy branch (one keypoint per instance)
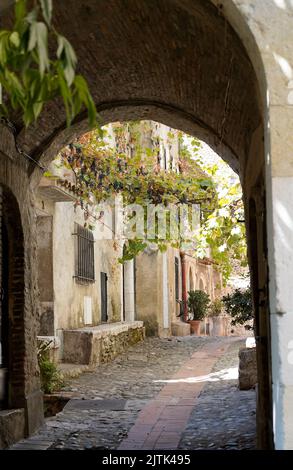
(30, 77)
(132, 170)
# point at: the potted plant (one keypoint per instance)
(198, 304)
(216, 315)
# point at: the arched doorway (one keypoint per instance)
(12, 388)
(4, 314)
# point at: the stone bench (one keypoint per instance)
(102, 343)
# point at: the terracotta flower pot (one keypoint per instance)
(195, 327)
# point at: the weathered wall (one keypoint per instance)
(102, 344)
(150, 282)
(203, 274)
(68, 293)
(147, 281)
(149, 285)
(18, 211)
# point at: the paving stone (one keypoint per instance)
(223, 415)
(112, 396)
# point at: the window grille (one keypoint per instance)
(84, 255)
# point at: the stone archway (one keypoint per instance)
(205, 68)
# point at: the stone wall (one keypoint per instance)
(100, 344)
(19, 217)
(57, 258)
(12, 427)
(113, 345)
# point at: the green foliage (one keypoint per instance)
(216, 308)
(131, 249)
(50, 376)
(104, 171)
(239, 306)
(198, 303)
(31, 77)
(222, 231)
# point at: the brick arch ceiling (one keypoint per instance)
(176, 62)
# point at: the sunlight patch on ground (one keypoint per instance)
(224, 374)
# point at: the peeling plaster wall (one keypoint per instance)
(68, 294)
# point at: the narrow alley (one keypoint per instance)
(178, 393)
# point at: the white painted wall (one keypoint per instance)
(129, 291)
(165, 291)
(77, 305)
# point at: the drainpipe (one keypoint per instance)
(184, 288)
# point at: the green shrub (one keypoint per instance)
(198, 304)
(239, 306)
(216, 308)
(50, 376)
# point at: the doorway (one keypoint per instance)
(104, 297)
(4, 316)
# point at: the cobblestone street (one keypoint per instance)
(178, 393)
(224, 416)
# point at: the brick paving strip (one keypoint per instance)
(162, 421)
(174, 393)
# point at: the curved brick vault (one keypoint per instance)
(177, 62)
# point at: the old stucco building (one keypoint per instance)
(221, 71)
(81, 281)
(164, 278)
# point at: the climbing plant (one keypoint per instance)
(30, 75)
(222, 232)
(132, 170)
(103, 170)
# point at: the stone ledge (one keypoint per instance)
(180, 328)
(12, 426)
(99, 344)
(109, 328)
(72, 371)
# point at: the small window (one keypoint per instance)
(84, 255)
